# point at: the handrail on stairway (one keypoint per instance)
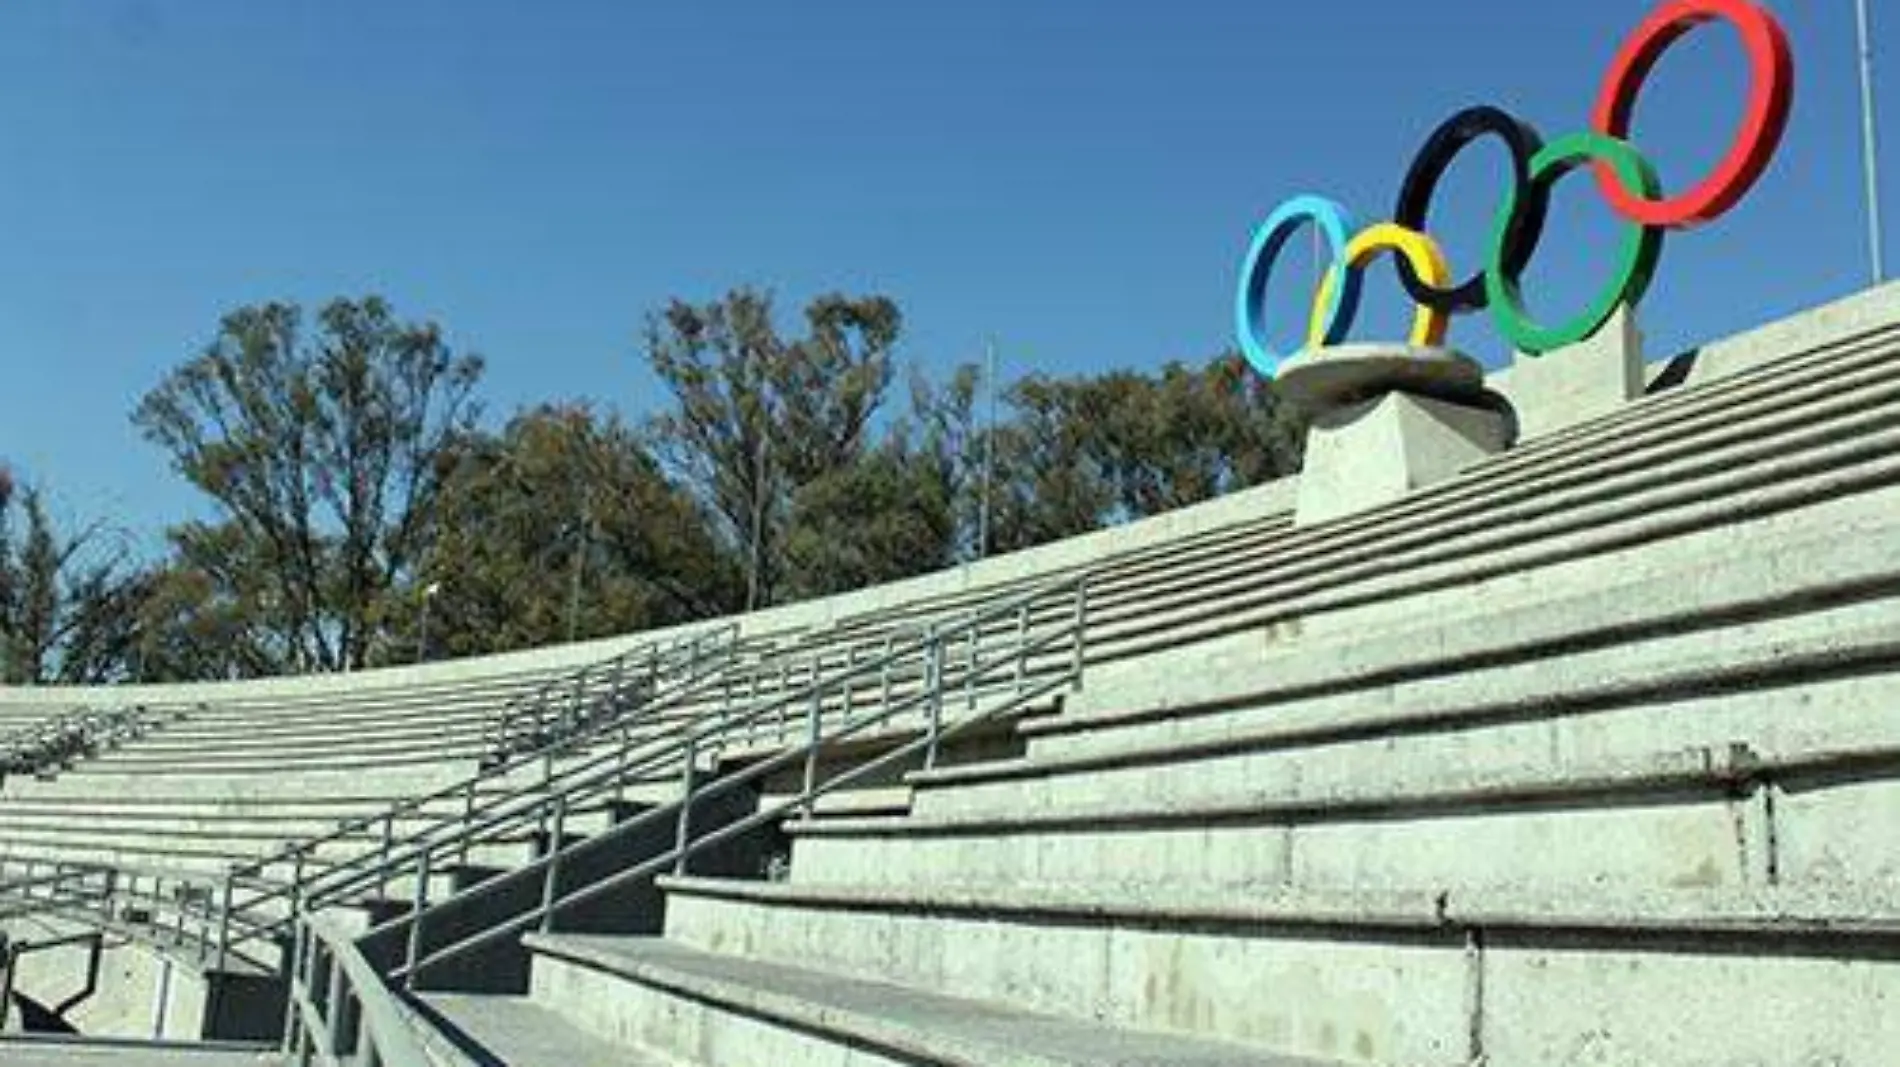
(945, 684)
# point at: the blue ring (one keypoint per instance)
(1338, 225)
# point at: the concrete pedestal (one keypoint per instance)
(1371, 453)
(1574, 385)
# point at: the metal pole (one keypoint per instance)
(969, 671)
(1869, 144)
(758, 522)
(811, 747)
(224, 919)
(389, 839)
(554, 864)
(1081, 629)
(684, 826)
(989, 449)
(293, 1027)
(333, 1010)
(422, 630)
(933, 695)
(1022, 645)
(420, 906)
(580, 561)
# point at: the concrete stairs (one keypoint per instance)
(656, 996)
(40, 1051)
(479, 1031)
(1588, 756)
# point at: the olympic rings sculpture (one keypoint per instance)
(1624, 174)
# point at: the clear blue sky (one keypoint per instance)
(1075, 178)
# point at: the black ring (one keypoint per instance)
(1421, 181)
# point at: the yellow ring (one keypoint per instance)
(1427, 259)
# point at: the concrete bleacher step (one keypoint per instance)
(713, 1010)
(517, 1032)
(1667, 819)
(1428, 977)
(1517, 511)
(1727, 685)
(37, 1051)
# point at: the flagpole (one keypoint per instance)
(1868, 141)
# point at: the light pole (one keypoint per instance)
(580, 558)
(758, 521)
(422, 631)
(989, 449)
(1869, 142)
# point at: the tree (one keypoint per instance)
(324, 450)
(758, 419)
(1078, 453)
(561, 527)
(64, 598)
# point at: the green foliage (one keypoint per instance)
(324, 450)
(563, 527)
(64, 598)
(759, 420)
(1079, 453)
(362, 516)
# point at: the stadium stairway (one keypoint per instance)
(1586, 756)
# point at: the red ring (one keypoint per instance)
(1771, 91)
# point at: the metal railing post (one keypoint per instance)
(1022, 646)
(296, 880)
(224, 918)
(421, 899)
(933, 693)
(752, 703)
(811, 744)
(554, 864)
(784, 693)
(684, 826)
(884, 681)
(468, 816)
(1081, 629)
(389, 841)
(333, 1011)
(969, 669)
(294, 981)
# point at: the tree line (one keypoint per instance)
(363, 513)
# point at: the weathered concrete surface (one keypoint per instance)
(1377, 451)
(1772, 343)
(1576, 384)
(18, 1051)
(1521, 978)
(519, 1033)
(721, 1011)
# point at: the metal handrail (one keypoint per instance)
(932, 696)
(482, 819)
(179, 909)
(221, 914)
(57, 738)
(311, 890)
(499, 731)
(338, 1011)
(349, 827)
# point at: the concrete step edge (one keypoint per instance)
(935, 1029)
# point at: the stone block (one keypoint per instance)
(1375, 452)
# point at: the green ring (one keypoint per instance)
(1636, 260)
